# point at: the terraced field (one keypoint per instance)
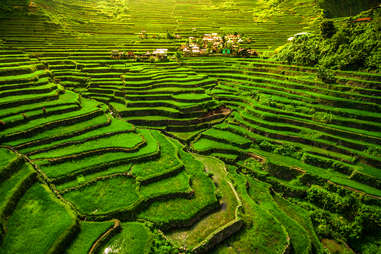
(195, 155)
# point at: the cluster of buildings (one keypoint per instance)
(116, 54)
(208, 44)
(215, 44)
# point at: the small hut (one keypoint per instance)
(115, 54)
(160, 54)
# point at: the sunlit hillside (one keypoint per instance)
(189, 126)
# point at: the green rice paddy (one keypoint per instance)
(104, 152)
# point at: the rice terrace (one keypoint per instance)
(190, 126)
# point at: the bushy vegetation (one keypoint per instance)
(344, 8)
(342, 216)
(345, 46)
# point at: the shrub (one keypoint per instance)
(267, 146)
(354, 46)
(341, 8)
(170, 36)
(288, 150)
(162, 246)
(324, 117)
(333, 202)
(327, 29)
(178, 56)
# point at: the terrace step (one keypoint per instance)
(61, 172)
(12, 190)
(48, 138)
(39, 124)
(51, 237)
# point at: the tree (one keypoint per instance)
(327, 29)
(178, 56)
(170, 36)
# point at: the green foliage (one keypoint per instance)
(303, 50)
(353, 47)
(267, 146)
(162, 246)
(273, 3)
(333, 202)
(328, 225)
(178, 56)
(170, 36)
(289, 150)
(327, 29)
(291, 106)
(358, 221)
(324, 117)
(326, 75)
(343, 8)
(104, 196)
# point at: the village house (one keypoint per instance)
(195, 50)
(116, 54)
(143, 34)
(213, 43)
(160, 54)
(186, 51)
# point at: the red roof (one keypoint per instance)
(363, 19)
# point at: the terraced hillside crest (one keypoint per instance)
(205, 154)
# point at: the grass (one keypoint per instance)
(6, 156)
(264, 233)
(334, 176)
(185, 136)
(168, 159)
(301, 217)
(205, 145)
(12, 189)
(36, 216)
(69, 130)
(21, 77)
(105, 196)
(135, 238)
(299, 237)
(336, 247)
(227, 137)
(87, 107)
(66, 98)
(179, 183)
(80, 179)
(89, 233)
(87, 163)
(165, 213)
(125, 141)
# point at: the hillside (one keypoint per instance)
(121, 134)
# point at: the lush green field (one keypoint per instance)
(104, 153)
